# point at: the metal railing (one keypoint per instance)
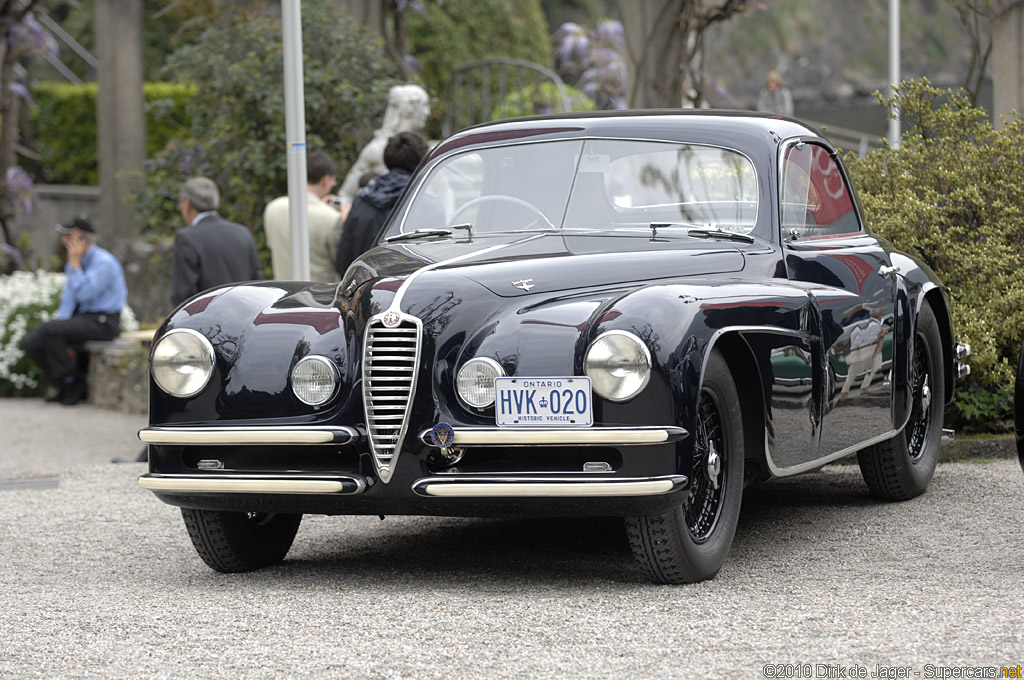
(852, 140)
(491, 89)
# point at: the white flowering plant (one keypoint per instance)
(27, 299)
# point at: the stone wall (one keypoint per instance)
(119, 375)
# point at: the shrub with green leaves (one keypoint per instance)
(237, 135)
(63, 119)
(452, 33)
(952, 194)
(540, 98)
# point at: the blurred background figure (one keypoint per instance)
(407, 111)
(374, 202)
(775, 96)
(210, 251)
(325, 224)
(90, 309)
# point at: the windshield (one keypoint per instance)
(586, 184)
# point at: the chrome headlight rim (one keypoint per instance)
(335, 376)
(596, 382)
(495, 367)
(207, 350)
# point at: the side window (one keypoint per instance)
(815, 198)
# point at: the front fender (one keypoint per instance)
(258, 332)
(681, 324)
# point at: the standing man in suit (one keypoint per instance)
(210, 251)
(324, 222)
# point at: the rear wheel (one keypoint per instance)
(690, 543)
(240, 541)
(901, 468)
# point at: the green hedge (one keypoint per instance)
(63, 120)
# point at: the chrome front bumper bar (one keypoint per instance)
(226, 436)
(334, 484)
(479, 486)
(545, 487)
(552, 436)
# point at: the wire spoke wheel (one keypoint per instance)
(709, 472)
(902, 467)
(920, 413)
(690, 543)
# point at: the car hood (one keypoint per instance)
(512, 265)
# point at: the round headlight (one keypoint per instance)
(476, 381)
(182, 362)
(618, 365)
(314, 380)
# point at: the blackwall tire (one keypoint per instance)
(231, 542)
(902, 467)
(690, 543)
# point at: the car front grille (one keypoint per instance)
(390, 358)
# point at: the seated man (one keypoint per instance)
(90, 309)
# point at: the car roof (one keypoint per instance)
(744, 129)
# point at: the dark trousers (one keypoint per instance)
(48, 344)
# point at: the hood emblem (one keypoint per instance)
(525, 284)
(391, 318)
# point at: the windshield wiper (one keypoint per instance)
(418, 233)
(721, 234)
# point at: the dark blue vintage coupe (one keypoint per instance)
(634, 314)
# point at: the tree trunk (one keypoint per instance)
(665, 49)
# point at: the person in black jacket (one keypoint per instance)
(210, 251)
(373, 203)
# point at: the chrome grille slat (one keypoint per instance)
(390, 359)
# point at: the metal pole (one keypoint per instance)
(894, 69)
(295, 136)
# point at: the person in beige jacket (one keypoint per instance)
(325, 223)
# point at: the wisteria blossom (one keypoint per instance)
(592, 61)
(27, 299)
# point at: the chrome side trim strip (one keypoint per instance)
(825, 460)
(252, 484)
(223, 436)
(520, 487)
(582, 436)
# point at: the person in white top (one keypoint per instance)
(325, 224)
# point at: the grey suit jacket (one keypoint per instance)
(212, 252)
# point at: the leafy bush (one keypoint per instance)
(64, 122)
(27, 299)
(540, 98)
(237, 135)
(449, 34)
(952, 194)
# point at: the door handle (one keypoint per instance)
(888, 271)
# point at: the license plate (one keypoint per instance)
(543, 401)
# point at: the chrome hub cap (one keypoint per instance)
(714, 465)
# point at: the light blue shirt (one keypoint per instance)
(98, 286)
(195, 220)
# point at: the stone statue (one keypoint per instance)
(407, 111)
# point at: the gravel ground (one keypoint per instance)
(99, 580)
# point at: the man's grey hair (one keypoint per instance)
(202, 193)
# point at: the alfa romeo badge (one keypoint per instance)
(392, 318)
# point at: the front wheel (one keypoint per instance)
(690, 543)
(232, 542)
(902, 467)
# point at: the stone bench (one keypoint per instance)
(118, 372)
